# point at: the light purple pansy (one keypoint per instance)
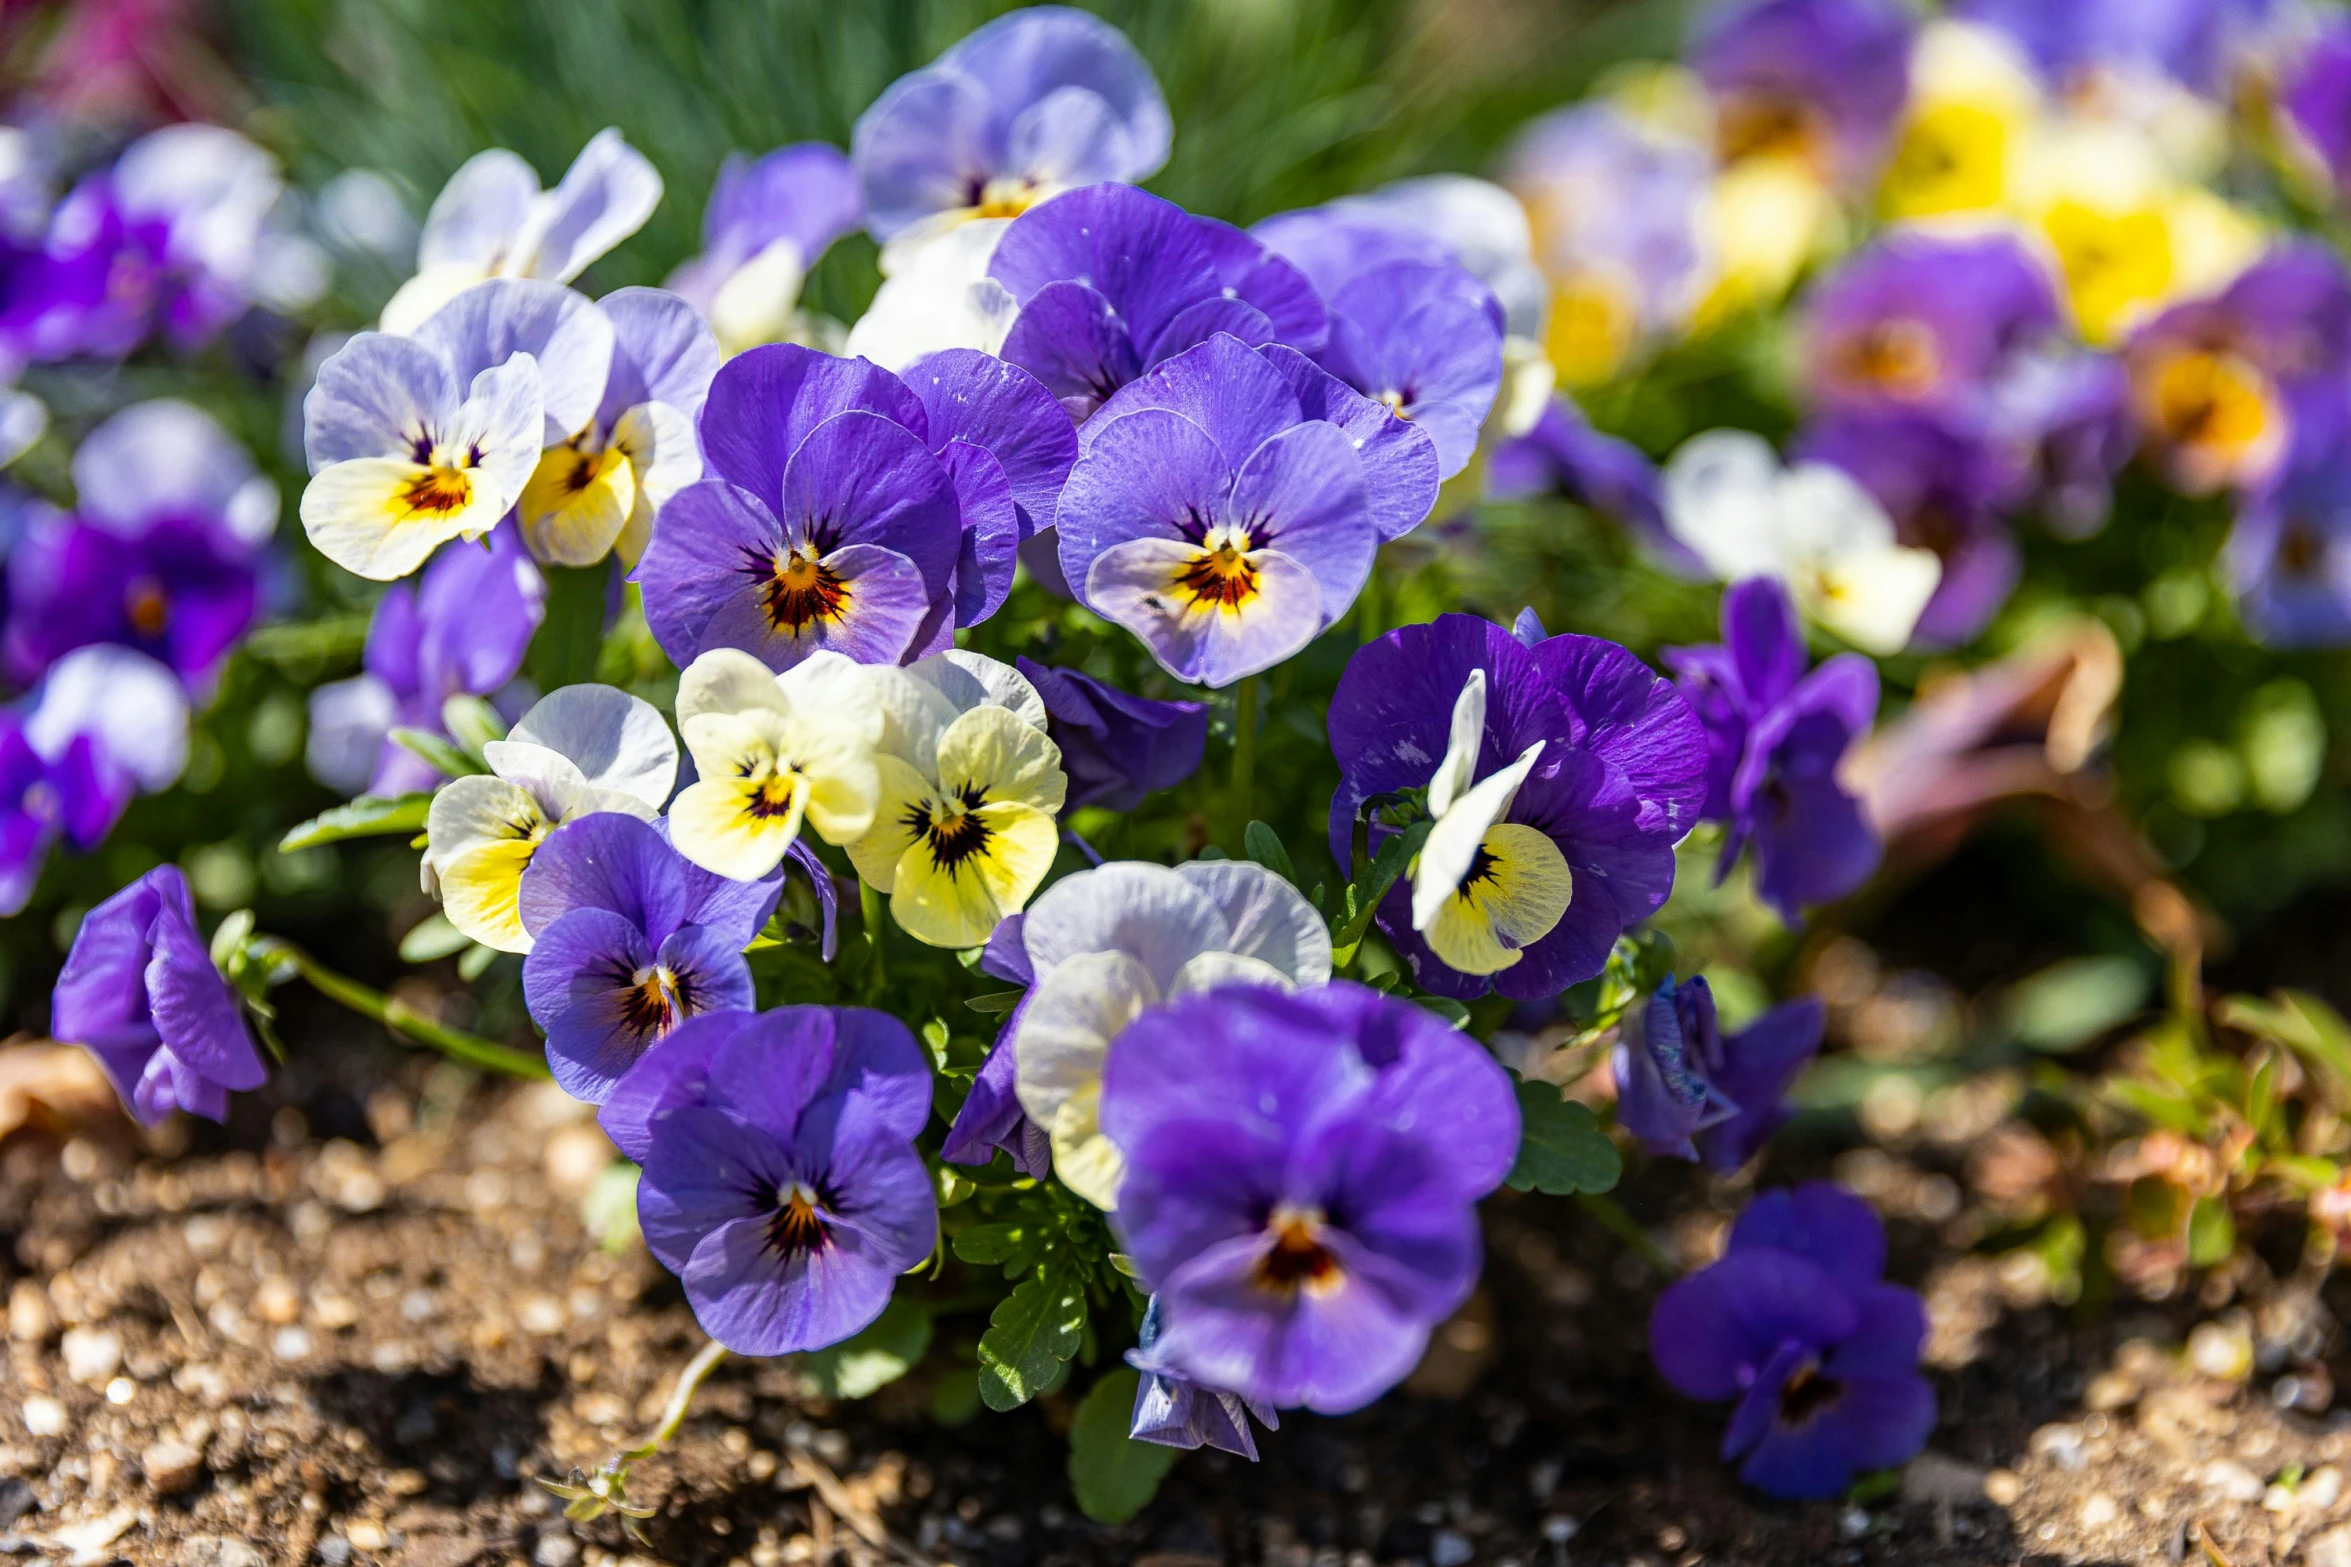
(1302, 1253)
(1174, 1411)
(1924, 321)
(140, 993)
(780, 1179)
(2195, 42)
(2289, 554)
(629, 940)
(1824, 79)
(775, 214)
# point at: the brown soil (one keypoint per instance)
(281, 1347)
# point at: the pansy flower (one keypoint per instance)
(970, 788)
(780, 1179)
(1618, 782)
(1775, 737)
(1796, 1323)
(1034, 103)
(139, 992)
(579, 750)
(629, 939)
(1174, 1411)
(1819, 82)
(596, 492)
(2289, 554)
(768, 221)
(1117, 748)
(2067, 415)
(1215, 518)
(460, 630)
(1686, 1091)
(1920, 321)
(1562, 455)
(2316, 103)
(493, 221)
(1107, 945)
(2194, 42)
(1481, 225)
(770, 753)
(850, 511)
(1303, 1252)
(111, 723)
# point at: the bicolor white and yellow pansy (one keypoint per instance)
(970, 788)
(493, 220)
(772, 752)
(1107, 944)
(937, 296)
(1975, 107)
(1484, 888)
(596, 490)
(1812, 526)
(579, 750)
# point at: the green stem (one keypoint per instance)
(1367, 607)
(1244, 761)
(401, 1018)
(869, 908)
(681, 1398)
(1620, 1224)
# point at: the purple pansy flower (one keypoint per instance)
(1775, 735)
(780, 1179)
(1117, 749)
(768, 221)
(1174, 1411)
(1825, 80)
(2195, 42)
(991, 1118)
(132, 715)
(1036, 102)
(1563, 455)
(849, 510)
(1945, 485)
(1686, 1092)
(1217, 518)
(1619, 780)
(2067, 413)
(2316, 98)
(1797, 1324)
(2289, 555)
(77, 795)
(1921, 321)
(630, 939)
(460, 630)
(1303, 1252)
(140, 993)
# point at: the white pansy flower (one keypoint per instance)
(773, 751)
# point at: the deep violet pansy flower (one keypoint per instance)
(1824, 80)
(1924, 321)
(780, 1179)
(140, 993)
(1174, 1411)
(630, 939)
(107, 723)
(460, 630)
(1797, 1324)
(849, 510)
(2316, 98)
(1302, 1253)
(1618, 782)
(1217, 519)
(1775, 735)
(1034, 103)
(1117, 748)
(1686, 1091)
(2289, 554)
(768, 221)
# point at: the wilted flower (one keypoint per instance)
(1618, 782)
(159, 554)
(970, 787)
(140, 993)
(768, 221)
(771, 751)
(780, 1180)
(1107, 945)
(580, 750)
(493, 221)
(1686, 1092)
(1775, 736)
(1212, 517)
(1174, 1411)
(1820, 82)
(461, 630)
(1809, 525)
(629, 939)
(1797, 1324)
(1302, 1253)
(1032, 104)
(1118, 749)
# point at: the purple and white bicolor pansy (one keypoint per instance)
(1107, 945)
(846, 510)
(579, 750)
(1217, 518)
(106, 724)
(493, 221)
(768, 221)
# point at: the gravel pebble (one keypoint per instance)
(171, 1466)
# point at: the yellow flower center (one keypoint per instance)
(950, 827)
(1221, 575)
(797, 1225)
(2212, 400)
(1899, 357)
(654, 1001)
(1005, 198)
(436, 492)
(801, 590)
(1297, 1259)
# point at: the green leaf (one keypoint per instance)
(472, 722)
(437, 752)
(475, 961)
(2068, 1004)
(1386, 866)
(996, 1002)
(1561, 1148)
(431, 937)
(2212, 1234)
(892, 1346)
(368, 816)
(571, 633)
(1031, 1335)
(985, 1244)
(1264, 845)
(1114, 1475)
(1447, 1008)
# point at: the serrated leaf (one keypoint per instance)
(987, 1244)
(1031, 1335)
(1561, 1147)
(437, 751)
(1113, 1475)
(891, 1346)
(1264, 845)
(368, 816)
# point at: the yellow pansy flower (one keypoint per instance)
(773, 751)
